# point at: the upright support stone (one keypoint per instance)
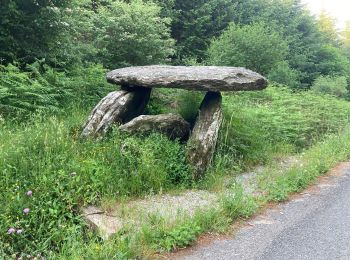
(117, 107)
(202, 142)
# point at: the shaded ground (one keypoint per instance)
(312, 225)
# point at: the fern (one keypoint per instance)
(26, 92)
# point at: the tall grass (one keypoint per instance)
(258, 125)
(315, 162)
(63, 172)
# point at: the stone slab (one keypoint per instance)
(201, 78)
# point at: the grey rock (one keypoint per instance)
(98, 220)
(202, 142)
(136, 213)
(202, 78)
(117, 107)
(174, 126)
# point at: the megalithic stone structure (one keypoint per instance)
(124, 105)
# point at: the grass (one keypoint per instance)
(46, 156)
(316, 161)
(260, 124)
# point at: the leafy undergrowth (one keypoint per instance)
(45, 156)
(41, 88)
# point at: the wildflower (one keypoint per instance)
(73, 174)
(26, 210)
(29, 193)
(19, 231)
(11, 231)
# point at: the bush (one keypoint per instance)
(285, 75)
(41, 88)
(86, 85)
(131, 34)
(336, 86)
(255, 47)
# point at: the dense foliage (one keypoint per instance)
(46, 157)
(31, 30)
(252, 46)
(131, 34)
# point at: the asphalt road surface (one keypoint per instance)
(313, 225)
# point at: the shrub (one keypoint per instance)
(285, 75)
(131, 34)
(336, 86)
(86, 85)
(41, 88)
(255, 47)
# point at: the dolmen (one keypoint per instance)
(125, 106)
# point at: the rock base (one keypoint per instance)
(202, 142)
(117, 107)
(171, 125)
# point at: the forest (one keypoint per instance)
(54, 56)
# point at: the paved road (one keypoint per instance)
(314, 225)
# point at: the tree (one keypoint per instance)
(30, 29)
(345, 37)
(255, 47)
(131, 34)
(195, 23)
(332, 61)
(295, 25)
(327, 25)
